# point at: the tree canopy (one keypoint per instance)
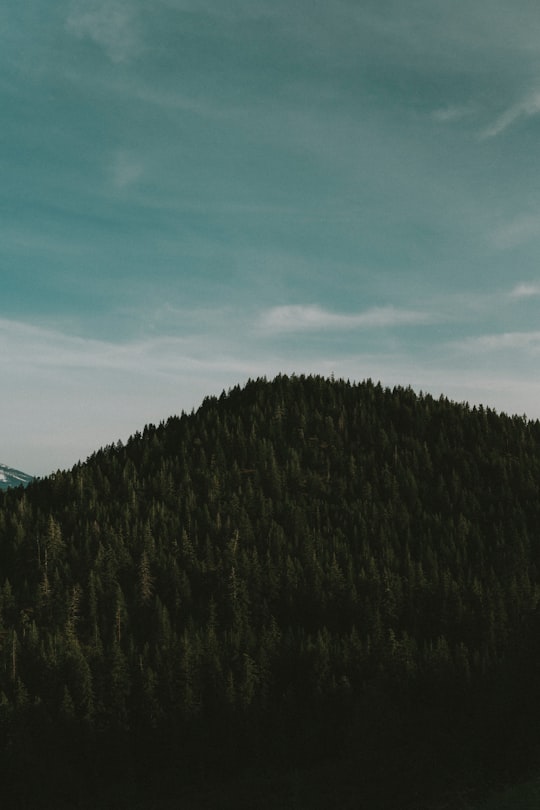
(303, 573)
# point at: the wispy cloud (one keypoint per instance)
(527, 107)
(126, 169)
(451, 113)
(521, 229)
(25, 346)
(505, 340)
(108, 24)
(302, 318)
(525, 290)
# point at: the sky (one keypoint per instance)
(196, 192)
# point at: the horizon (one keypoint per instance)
(199, 194)
(328, 378)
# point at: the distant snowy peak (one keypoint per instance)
(13, 478)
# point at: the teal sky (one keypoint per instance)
(194, 192)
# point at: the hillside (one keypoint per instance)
(313, 592)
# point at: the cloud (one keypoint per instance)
(27, 347)
(126, 170)
(522, 229)
(303, 318)
(528, 107)
(234, 9)
(526, 290)
(108, 24)
(451, 113)
(498, 342)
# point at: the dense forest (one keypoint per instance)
(313, 592)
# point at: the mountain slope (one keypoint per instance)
(304, 576)
(13, 478)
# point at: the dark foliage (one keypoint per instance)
(331, 582)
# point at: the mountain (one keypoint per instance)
(13, 478)
(306, 593)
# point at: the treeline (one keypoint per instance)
(305, 575)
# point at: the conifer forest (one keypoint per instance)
(308, 593)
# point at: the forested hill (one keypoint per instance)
(304, 576)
